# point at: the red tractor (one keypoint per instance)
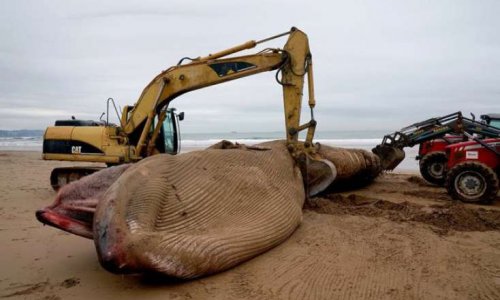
(433, 136)
(473, 170)
(431, 154)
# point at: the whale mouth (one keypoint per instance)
(66, 221)
(75, 204)
(71, 214)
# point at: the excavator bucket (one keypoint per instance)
(390, 157)
(320, 174)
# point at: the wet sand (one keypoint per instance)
(399, 238)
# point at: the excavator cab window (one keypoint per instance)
(171, 132)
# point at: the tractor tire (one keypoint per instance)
(432, 167)
(472, 182)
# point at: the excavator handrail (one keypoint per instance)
(116, 111)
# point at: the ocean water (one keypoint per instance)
(32, 141)
(24, 143)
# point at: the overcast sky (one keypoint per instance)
(378, 64)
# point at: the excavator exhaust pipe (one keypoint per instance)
(390, 157)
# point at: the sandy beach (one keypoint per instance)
(399, 238)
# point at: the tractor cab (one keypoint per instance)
(491, 119)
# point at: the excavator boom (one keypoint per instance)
(293, 62)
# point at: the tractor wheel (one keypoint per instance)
(472, 182)
(432, 167)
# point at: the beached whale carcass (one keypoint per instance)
(200, 212)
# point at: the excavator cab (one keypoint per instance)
(169, 139)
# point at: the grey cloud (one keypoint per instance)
(378, 64)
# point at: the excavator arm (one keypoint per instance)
(293, 63)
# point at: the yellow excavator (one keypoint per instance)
(150, 127)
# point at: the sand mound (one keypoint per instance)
(418, 180)
(451, 216)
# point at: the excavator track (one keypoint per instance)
(62, 176)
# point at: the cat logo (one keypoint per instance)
(76, 149)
